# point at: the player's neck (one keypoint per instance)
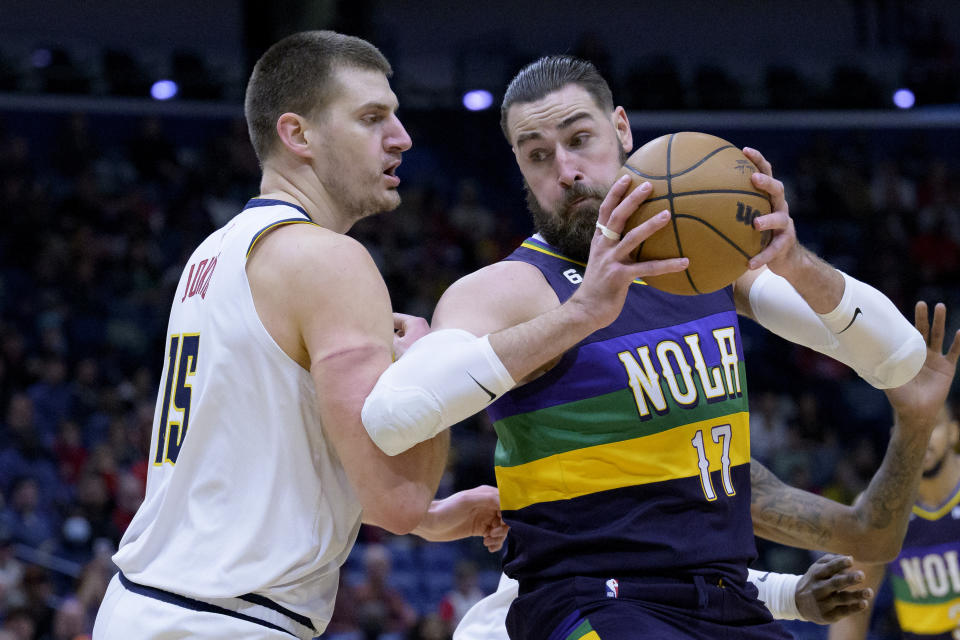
(311, 197)
(934, 491)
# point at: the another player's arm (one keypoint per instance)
(325, 303)
(452, 374)
(856, 626)
(872, 529)
(473, 512)
(801, 298)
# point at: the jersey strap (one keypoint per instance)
(302, 218)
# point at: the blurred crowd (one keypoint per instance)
(98, 225)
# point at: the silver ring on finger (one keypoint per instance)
(608, 232)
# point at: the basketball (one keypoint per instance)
(704, 181)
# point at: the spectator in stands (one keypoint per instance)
(70, 621)
(27, 520)
(381, 608)
(430, 627)
(464, 595)
(344, 623)
(19, 625)
(11, 575)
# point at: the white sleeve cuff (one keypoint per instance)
(443, 378)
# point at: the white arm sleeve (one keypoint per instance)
(778, 591)
(445, 377)
(865, 331)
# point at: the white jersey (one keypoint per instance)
(244, 496)
(487, 619)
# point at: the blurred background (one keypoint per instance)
(122, 145)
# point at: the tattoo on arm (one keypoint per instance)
(785, 514)
(892, 491)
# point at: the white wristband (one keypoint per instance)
(443, 378)
(778, 591)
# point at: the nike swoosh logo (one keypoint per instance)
(852, 320)
(492, 395)
(764, 578)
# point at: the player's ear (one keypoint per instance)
(293, 131)
(622, 124)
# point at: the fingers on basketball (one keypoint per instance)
(705, 183)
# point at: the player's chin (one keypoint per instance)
(390, 200)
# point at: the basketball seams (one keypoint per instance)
(680, 194)
(679, 173)
(673, 219)
(716, 231)
(702, 160)
(711, 179)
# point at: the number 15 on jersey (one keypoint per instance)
(181, 367)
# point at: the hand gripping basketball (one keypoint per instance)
(610, 269)
(706, 184)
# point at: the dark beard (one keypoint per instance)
(570, 231)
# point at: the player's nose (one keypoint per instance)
(397, 138)
(568, 168)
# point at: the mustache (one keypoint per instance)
(579, 190)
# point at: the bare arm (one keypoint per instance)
(474, 512)
(324, 302)
(525, 347)
(855, 626)
(872, 529)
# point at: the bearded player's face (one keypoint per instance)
(569, 151)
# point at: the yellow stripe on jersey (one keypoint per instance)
(939, 513)
(668, 455)
(929, 619)
(533, 247)
(271, 227)
(530, 245)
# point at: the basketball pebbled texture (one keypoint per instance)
(704, 181)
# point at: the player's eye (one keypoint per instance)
(537, 155)
(579, 140)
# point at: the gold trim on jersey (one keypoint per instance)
(270, 227)
(936, 514)
(668, 455)
(529, 245)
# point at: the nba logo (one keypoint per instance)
(613, 588)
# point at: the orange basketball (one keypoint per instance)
(704, 181)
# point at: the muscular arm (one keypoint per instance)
(322, 299)
(872, 529)
(524, 347)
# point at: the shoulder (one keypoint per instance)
(312, 286)
(306, 245)
(498, 296)
(310, 258)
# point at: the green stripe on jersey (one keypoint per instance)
(604, 419)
